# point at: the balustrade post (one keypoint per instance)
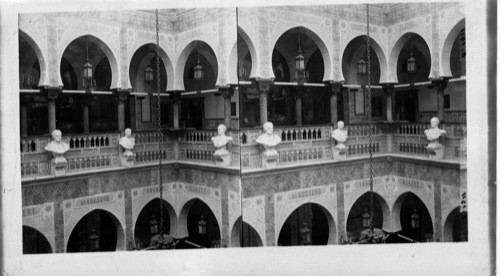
(52, 93)
(440, 85)
(122, 95)
(263, 86)
(227, 93)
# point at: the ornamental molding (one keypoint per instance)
(253, 214)
(41, 218)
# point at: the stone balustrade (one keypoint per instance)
(307, 144)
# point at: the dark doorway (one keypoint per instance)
(193, 112)
(211, 237)
(151, 212)
(34, 242)
(407, 105)
(98, 222)
(310, 215)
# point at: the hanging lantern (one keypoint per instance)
(411, 64)
(366, 219)
(305, 234)
(198, 71)
(94, 241)
(87, 70)
(202, 226)
(361, 66)
(153, 225)
(148, 74)
(299, 65)
(415, 220)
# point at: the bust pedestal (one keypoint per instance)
(58, 164)
(222, 157)
(269, 157)
(436, 150)
(340, 151)
(127, 158)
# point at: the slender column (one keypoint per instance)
(298, 106)
(227, 93)
(24, 117)
(263, 87)
(176, 98)
(440, 85)
(335, 88)
(52, 93)
(389, 94)
(122, 96)
(86, 122)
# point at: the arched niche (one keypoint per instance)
(100, 56)
(146, 55)
(381, 215)
(189, 218)
(32, 65)
(247, 56)
(406, 44)
(402, 211)
(355, 49)
(318, 220)
(453, 51)
(184, 73)
(105, 225)
(152, 210)
(34, 242)
(244, 235)
(288, 45)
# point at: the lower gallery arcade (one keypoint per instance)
(275, 207)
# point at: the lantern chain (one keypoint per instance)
(370, 146)
(160, 134)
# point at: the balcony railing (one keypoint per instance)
(300, 145)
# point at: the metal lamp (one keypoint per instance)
(366, 219)
(415, 220)
(202, 226)
(153, 225)
(94, 241)
(305, 233)
(148, 74)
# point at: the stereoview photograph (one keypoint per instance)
(254, 126)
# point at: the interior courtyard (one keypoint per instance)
(174, 76)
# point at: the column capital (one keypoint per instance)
(388, 87)
(122, 94)
(263, 85)
(226, 91)
(335, 86)
(175, 95)
(52, 92)
(440, 83)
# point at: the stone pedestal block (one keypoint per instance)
(269, 158)
(340, 152)
(436, 151)
(222, 158)
(127, 159)
(58, 165)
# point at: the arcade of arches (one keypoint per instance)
(239, 68)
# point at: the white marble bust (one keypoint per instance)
(434, 132)
(268, 139)
(340, 134)
(220, 141)
(127, 142)
(57, 147)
